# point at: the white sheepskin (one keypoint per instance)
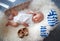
(10, 33)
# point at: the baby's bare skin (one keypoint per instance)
(37, 17)
(14, 24)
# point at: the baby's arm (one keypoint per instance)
(32, 12)
(25, 24)
(14, 24)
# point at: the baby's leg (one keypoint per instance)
(14, 24)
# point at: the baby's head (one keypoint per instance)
(11, 13)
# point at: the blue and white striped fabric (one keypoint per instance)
(43, 31)
(52, 18)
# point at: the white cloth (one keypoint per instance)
(23, 17)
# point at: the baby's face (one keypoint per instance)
(11, 13)
(38, 17)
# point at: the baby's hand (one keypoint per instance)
(30, 12)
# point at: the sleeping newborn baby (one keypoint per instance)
(24, 18)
